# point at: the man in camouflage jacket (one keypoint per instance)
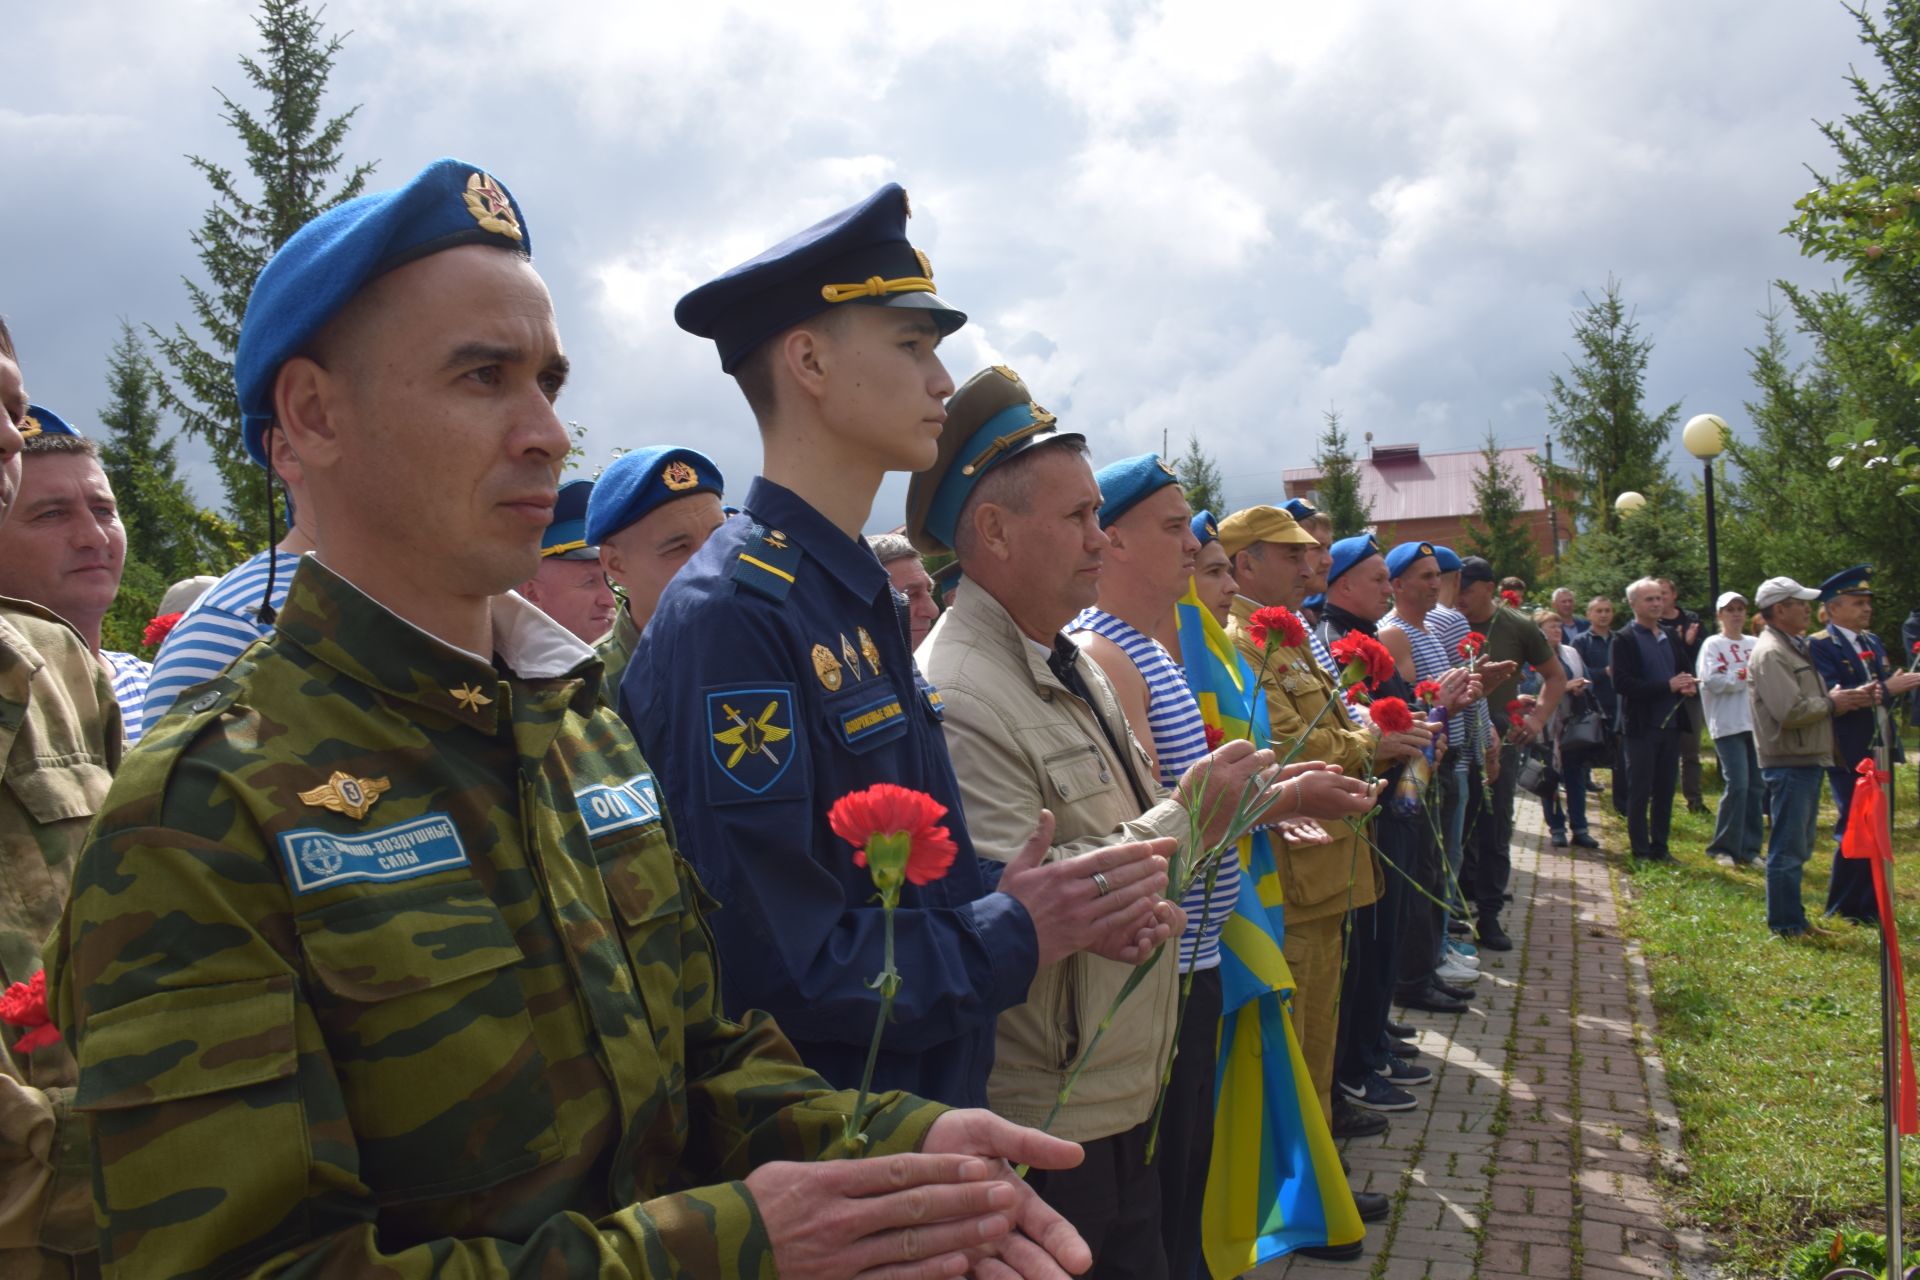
(380, 959)
(60, 739)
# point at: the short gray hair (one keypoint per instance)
(889, 547)
(1008, 485)
(1639, 585)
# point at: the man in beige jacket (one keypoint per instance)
(1031, 724)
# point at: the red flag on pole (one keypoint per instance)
(1867, 838)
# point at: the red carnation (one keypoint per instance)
(1214, 737)
(159, 629)
(894, 827)
(1511, 597)
(24, 1004)
(1866, 657)
(1427, 691)
(1470, 647)
(1518, 705)
(1916, 647)
(1356, 649)
(1515, 719)
(1276, 618)
(1392, 715)
(1355, 693)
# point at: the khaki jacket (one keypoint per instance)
(1326, 879)
(1021, 742)
(60, 740)
(1792, 714)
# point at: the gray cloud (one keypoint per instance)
(1184, 217)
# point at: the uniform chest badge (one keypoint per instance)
(870, 651)
(344, 793)
(850, 656)
(827, 667)
(470, 697)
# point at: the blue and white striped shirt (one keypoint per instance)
(217, 628)
(1450, 626)
(1324, 656)
(129, 689)
(1180, 742)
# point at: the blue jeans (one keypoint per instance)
(1793, 806)
(1737, 825)
(1574, 812)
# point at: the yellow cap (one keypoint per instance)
(1261, 524)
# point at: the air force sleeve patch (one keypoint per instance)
(753, 745)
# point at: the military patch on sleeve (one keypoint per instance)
(751, 740)
(608, 808)
(319, 859)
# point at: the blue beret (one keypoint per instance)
(857, 255)
(1855, 581)
(42, 421)
(1405, 554)
(1204, 529)
(1448, 558)
(323, 264)
(1299, 508)
(1318, 600)
(566, 535)
(989, 419)
(1349, 552)
(1128, 482)
(635, 483)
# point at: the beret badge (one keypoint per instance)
(490, 207)
(1162, 464)
(678, 476)
(29, 427)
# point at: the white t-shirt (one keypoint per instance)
(1722, 671)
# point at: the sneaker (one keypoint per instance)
(1455, 974)
(1468, 957)
(1400, 1071)
(1371, 1093)
(1459, 928)
(1464, 949)
(1351, 1122)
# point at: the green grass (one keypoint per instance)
(1772, 1048)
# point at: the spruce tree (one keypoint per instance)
(1499, 532)
(1200, 478)
(1339, 486)
(294, 158)
(1614, 444)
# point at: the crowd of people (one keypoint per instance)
(478, 896)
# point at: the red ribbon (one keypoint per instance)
(1867, 838)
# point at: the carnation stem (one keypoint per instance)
(1180, 1014)
(886, 984)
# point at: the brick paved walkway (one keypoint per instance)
(1535, 1150)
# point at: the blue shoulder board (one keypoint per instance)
(767, 563)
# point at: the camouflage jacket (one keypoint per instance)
(615, 651)
(380, 961)
(60, 740)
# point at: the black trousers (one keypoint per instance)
(1186, 1128)
(1425, 920)
(1619, 741)
(1488, 853)
(1850, 892)
(1653, 765)
(1373, 957)
(1112, 1198)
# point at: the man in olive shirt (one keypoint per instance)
(1513, 638)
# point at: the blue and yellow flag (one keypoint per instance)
(1274, 1183)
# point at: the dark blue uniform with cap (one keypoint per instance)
(777, 676)
(1850, 891)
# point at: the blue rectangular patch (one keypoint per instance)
(319, 859)
(609, 808)
(864, 721)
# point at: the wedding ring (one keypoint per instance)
(1100, 883)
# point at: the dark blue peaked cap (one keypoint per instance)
(566, 535)
(858, 255)
(1858, 579)
(42, 421)
(447, 204)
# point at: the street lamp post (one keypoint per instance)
(1705, 437)
(1629, 502)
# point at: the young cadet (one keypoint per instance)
(380, 959)
(776, 677)
(651, 510)
(60, 740)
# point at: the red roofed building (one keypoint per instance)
(1428, 497)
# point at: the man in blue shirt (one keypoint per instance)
(776, 676)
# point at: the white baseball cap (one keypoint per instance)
(1727, 598)
(1774, 590)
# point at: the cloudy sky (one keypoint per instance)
(1218, 218)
